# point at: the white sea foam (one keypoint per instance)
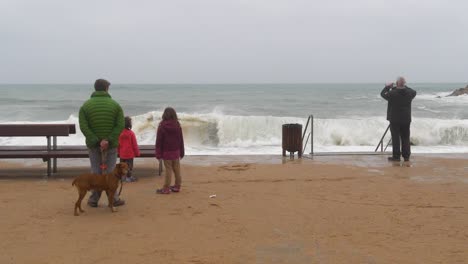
(362, 97)
(424, 108)
(443, 97)
(216, 133)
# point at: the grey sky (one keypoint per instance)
(236, 41)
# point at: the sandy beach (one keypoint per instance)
(326, 210)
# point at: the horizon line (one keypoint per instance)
(223, 83)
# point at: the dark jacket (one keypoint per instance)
(399, 103)
(169, 141)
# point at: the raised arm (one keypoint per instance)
(386, 92)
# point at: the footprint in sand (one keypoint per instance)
(236, 167)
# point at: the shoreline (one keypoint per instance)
(36, 168)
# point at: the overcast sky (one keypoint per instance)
(233, 41)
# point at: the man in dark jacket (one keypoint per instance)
(399, 114)
(101, 121)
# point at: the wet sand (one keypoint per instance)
(339, 209)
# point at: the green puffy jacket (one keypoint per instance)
(101, 118)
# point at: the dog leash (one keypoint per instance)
(103, 162)
(121, 185)
(104, 168)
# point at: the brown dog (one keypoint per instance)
(108, 182)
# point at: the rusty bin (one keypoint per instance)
(292, 139)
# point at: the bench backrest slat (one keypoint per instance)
(36, 130)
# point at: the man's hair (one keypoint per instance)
(101, 85)
(402, 80)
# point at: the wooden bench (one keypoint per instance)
(50, 131)
(146, 151)
(51, 151)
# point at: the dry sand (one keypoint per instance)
(330, 210)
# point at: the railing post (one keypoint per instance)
(311, 134)
(305, 129)
(381, 141)
(385, 149)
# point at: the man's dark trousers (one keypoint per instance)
(400, 131)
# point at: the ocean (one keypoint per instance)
(237, 119)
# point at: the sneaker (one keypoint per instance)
(393, 159)
(175, 188)
(163, 191)
(119, 202)
(92, 204)
(130, 179)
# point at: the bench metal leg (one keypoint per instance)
(48, 160)
(54, 161)
(49, 168)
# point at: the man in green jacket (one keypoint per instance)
(101, 121)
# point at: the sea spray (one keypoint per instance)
(216, 133)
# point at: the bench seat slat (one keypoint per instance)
(22, 154)
(84, 154)
(36, 130)
(63, 147)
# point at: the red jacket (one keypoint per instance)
(169, 141)
(128, 147)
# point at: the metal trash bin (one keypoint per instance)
(292, 139)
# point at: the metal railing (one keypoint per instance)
(381, 143)
(310, 135)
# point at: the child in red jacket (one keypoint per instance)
(128, 148)
(170, 148)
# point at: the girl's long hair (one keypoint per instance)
(169, 114)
